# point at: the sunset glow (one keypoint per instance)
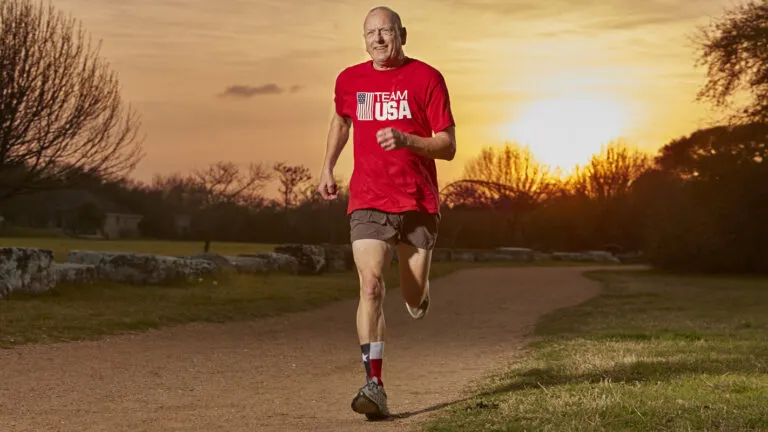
(566, 131)
(252, 81)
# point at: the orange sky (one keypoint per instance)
(562, 75)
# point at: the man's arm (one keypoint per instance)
(440, 146)
(338, 135)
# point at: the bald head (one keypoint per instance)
(393, 16)
(384, 37)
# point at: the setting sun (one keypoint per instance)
(566, 131)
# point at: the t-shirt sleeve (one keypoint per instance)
(439, 113)
(340, 96)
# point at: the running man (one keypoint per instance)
(402, 118)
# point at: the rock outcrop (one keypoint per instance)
(75, 273)
(143, 269)
(266, 262)
(587, 256)
(311, 258)
(338, 258)
(25, 270)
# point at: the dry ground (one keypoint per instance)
(290, 373)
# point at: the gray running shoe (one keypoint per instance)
(421, 311)
(371, 400)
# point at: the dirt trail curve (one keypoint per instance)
(290, 373)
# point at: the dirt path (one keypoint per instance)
(291, 373)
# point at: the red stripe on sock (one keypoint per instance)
(376, 370)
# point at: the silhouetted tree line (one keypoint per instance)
(700, 204)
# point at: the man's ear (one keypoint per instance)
(403, 36)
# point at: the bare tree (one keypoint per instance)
(734, 49)
(510, 175)
(60, 105)
(182, 193)
(611, 172)
(223, 182)
(291, 180)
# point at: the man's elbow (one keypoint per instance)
(450, 153)
(450, 150)
(342, 124)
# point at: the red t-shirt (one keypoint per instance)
(412, 98)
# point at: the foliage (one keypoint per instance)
(60, 106)
(733, 49)
(707, 205)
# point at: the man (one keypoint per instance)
(402, 119)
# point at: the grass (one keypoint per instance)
(72, 312)
(62, 245)
(653, 352)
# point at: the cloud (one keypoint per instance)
(246, 91)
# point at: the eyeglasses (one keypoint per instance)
(385, 31)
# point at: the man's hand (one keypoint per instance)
(391, 138)
(327, 187)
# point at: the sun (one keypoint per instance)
(567, 131)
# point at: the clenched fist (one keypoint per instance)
(327, 187)
(391, 138)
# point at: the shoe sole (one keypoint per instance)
(362, 404)
(421, 312)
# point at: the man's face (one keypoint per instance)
(382, 41)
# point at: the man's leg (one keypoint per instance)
(371, 256)
(414, 277)
(419, 236)
(372, 239)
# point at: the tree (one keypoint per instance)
(60, 104)
(508, 177)
(223, 182)
(225, 188)
(178, 192)
(705, 206)
(510, 181)
(291, 179)
(712, 152)
(611, 172)
(734, 50)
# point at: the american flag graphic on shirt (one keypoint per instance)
(364, 106)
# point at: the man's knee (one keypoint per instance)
(371, 286)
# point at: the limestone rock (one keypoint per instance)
(75, 273)
(338, 258)
(143, 269)
(26, 270)
(464, 256)
(266, 262)
(516, 254)
(542, 256)
(588, 256)
(220, 261)
(311, 258)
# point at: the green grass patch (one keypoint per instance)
(62, 245)
(653, 352)
(79, 312)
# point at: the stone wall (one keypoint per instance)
(34, 271)
(25, 270)
(143, 269)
